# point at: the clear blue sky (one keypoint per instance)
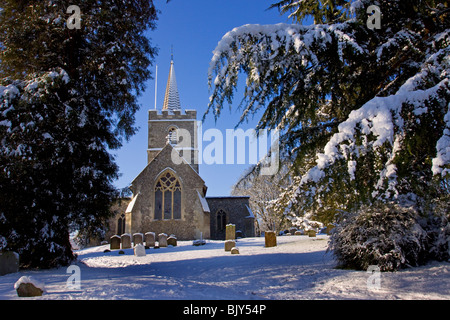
(193, 27)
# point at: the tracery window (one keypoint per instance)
(167, 197)
(221, 220)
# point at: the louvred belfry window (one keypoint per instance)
(167, 197)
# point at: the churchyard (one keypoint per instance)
(295, 267)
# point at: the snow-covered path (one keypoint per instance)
(298, 268)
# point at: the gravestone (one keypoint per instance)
(229, 244)
(139, 250)
(235, 250)
(150, 239)
(172, 241)
(138, 238)
(115, 243)
(298, 233)
(126, 241)
(9, 262)
(239, 234)
(311, 233)
(230, 232)
(162, 239)
(292, 230)
(270, 239)
(329, 228)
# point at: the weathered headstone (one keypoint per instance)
(139, 250)
(230, 232)
(330, 228)
(115, 243)
(311, 233)
(126, 241)
(138, 238)
(162, 239)
(172, 241)
(150, 239)
(292, 230)
(229, 244)
(28, 287)
(235, 250)
(9, 262)
(270, 239)
(239, 234)
(298, 233)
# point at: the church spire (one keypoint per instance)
(171, 98)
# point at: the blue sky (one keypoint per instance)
(193, 28)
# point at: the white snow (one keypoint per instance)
(297, 268)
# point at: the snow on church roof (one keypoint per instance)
(172, 98)
(203, 202)
(131, 204)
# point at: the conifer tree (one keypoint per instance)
(68, 95)
(364, 111)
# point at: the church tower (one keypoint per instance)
(172, 126)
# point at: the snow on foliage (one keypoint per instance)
(266, 52)
(364, 113)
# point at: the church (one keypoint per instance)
(169, 194)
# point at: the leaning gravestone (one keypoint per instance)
(172, 241)
(9, 262)
(162, 239)
(138, 238)
(270, 239)
(115, 243)
(139, 250)
(230, 232)
(126, 241)
(229, 244)
(150, 239)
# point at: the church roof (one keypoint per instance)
(172, 98)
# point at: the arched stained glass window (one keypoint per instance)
(167, 197)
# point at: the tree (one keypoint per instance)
(263, 189)
(67, 96)
(365, 112)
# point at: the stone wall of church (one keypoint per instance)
(159, 125)
(236, 212)
(193, 220)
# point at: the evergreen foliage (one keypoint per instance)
(67, 96)
(364, 112)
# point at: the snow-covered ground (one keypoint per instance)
(298, 268)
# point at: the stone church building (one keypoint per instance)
(169, 194)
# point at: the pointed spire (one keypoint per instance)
(171, 98)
